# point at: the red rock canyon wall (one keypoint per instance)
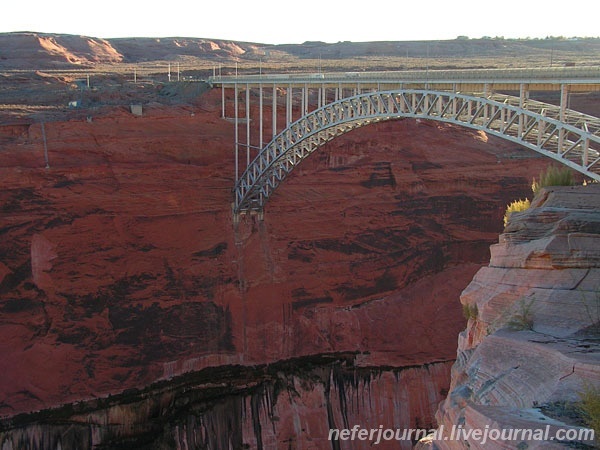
(120, 265)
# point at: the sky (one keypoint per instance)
(294, 22)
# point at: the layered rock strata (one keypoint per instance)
(532, 345)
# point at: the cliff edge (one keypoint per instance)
(531, 346)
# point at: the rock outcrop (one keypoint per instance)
(28, 50)
(531, 346)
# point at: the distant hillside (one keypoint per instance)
(39, 50)
(443, 49)
(30, 50)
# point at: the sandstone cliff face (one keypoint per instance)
(533, 346)
(290, 404)
(121, 267)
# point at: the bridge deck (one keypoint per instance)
(585, 79)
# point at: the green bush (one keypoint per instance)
(553, 176)
(470, 311)
(522, 318)
(516, 206)
(590, 408)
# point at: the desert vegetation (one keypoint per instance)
(590, 409)
(552, 176)
(470, 311)
(516, 206)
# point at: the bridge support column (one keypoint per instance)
(541, 129)
(222, 101)
(260, 116)
(486, 94)
(486, 90)
(585, 158)
(247, 124)
(237, 140)
(390, 104)
(564, 102)
(288, 106)
(305, 100)
(274, 107)
(523, 97)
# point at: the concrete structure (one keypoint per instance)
(136, 109)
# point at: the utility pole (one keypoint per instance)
(427, 63)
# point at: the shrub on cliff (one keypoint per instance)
(515, 317)
(470, 311)
(553, 176)
(521, 318)
(516, 206)
(590, 408)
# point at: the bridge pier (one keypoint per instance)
(237, 215)
(236, 133)
(564, 101)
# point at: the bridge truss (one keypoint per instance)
(568, 137)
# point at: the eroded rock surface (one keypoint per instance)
(532, 347)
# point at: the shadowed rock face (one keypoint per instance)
(286, 404)
(120, 265)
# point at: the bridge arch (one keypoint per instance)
(570, 138)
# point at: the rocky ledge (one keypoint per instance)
(532, 342)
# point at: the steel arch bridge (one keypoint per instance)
(569, 137)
